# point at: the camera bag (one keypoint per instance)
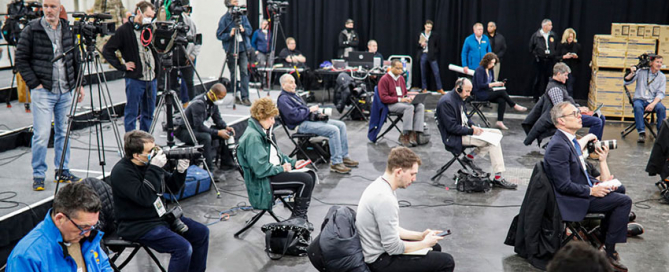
(197, 182)
(423, 138)
(472, 182)
(285, 238)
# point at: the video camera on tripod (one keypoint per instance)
(19, 15)
(91, 29)
(277, 7)
(173, 32)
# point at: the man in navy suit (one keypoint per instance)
(457, 131)
(576, 191)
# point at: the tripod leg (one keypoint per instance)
(156, 113)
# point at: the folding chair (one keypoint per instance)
(277, 194)
(456, 157)
(583, 231)
(111, 240)
(477, 109)
(647, 115)
(393, 123)
(302, 141)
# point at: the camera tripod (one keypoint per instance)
(91, 57)
(169, 100)
(235, 55)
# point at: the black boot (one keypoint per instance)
(299, 216)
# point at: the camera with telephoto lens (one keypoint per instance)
(173, 217)
(277, 6)
(190, 153)
(90, 29)
(592, 145)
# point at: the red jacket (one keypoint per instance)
(387, 90)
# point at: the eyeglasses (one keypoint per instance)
(83, 231)
(575, 114)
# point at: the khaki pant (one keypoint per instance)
(483, 147)
(495, 71)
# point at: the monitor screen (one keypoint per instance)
(358, 58)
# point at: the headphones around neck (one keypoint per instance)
(212, 95)
(458, 84)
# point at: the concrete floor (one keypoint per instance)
(478, 232)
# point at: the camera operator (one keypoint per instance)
(650, 89)
(230, 23)
(138, 182)
(140, 66)
(51, 85)
(201, 108)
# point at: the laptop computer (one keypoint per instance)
(360, 58)
(419, 98)
(338, 63)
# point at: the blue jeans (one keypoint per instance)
(640, 108)
(140, 95)
(423, 71)
(243, 64)
(45, 106)
(596, 124)
(189, 252)
(335, 130)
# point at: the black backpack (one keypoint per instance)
(472, 182)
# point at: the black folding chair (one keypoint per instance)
(277, 194)
(477, 108)
(302, 141)
(585, 230)
(647, 115)
(394, 119)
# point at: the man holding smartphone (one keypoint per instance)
(383, 241)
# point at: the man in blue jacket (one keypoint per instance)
(475, 47)
(260, 41)
(577, 192)
(228, 34)
(295, 113)
(67, 239)
(458, 131)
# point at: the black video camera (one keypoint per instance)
(90, 29)
(173, 217)
(190, 153)
(644, 61)
(167, 34)
(19, 15)
(277, 7)
(177, 7)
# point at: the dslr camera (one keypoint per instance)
(592, 145)
(191, 153)
(173, 217)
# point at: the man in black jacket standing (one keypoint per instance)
(498, 46)
(50, 85)
(200, 109)
(140, 66)
(138, 183)
(428, 43)
(543, 47)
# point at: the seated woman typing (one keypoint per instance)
(484, 81)
(266, 168)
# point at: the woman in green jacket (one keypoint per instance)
(266, 168)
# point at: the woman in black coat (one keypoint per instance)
(568, 52)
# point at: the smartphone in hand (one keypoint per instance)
(445, 233)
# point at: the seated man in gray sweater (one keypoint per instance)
(377, 220)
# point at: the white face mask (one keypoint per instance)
(218, 102)
(146, 21)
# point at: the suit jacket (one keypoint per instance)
(432, 47)
(449, 121)
(563, 167)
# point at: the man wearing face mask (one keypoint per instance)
(132, 40)
(200, 109)
(348, 39)
(138, 183)
(261, 42)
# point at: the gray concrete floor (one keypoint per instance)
(478, 232)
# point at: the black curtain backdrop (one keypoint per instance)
(396, 25)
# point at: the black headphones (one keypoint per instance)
(458, 84)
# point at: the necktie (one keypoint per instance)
(580, 156)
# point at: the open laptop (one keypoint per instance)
(420, 98)
(360, 58)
